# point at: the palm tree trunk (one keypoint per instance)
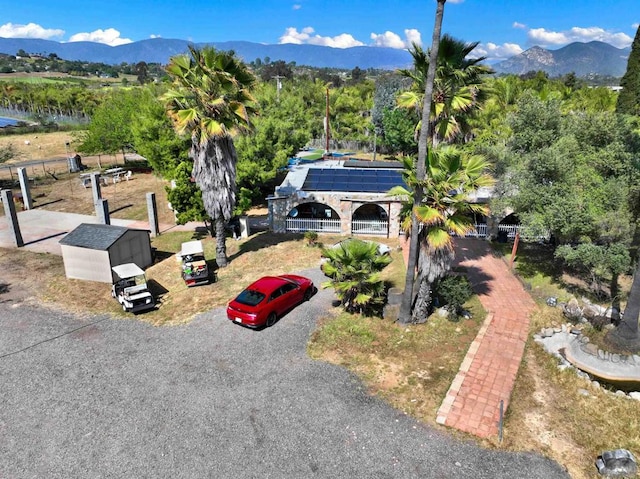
(405, 315)
(221, 245)
(434, 264)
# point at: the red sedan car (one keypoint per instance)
(261, 303)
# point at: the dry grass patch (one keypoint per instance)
(411, 367)
(42, 275)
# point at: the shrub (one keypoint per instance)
(311, 237)
(453, 291)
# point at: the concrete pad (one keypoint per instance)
(42, 229)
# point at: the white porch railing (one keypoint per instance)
(511, 230)
(370, 227)
(321, 225)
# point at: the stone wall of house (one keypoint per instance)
(280, 206)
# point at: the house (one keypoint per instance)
(91, 250)
(345, 196)
(348, 196)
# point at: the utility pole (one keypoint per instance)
(278, 79)
(326, 126)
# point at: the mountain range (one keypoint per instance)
(159, 50)
(584, 59)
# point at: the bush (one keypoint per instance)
(452, 292)
(311, 237)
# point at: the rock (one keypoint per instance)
(572, 310)
(551, 301)
(576, 331)
(591, 349)
(546, 333)
(621, 393)
(557, 330)
(617, 463)
(443, 312)
(595, 384)
(635, 395)
(583, 392)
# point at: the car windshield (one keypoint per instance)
(250, 297)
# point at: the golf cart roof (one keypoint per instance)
(127, 270)
(191, 248)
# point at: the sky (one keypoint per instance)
(503, 28)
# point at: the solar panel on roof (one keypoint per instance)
(353, 180)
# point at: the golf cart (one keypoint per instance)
(130, 288)
(194, 267)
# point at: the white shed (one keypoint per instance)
(91, 250)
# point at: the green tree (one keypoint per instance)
(353, 268)
(211, 100)
(186, 198)
(154, 136)
(399, 128)
(110, 127)
(629, 96)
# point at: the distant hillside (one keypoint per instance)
(159, 50)
(584, 59)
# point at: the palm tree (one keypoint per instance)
(458, 87)
(211, 99)
(354, 267)
(425, 132)
(445, 210)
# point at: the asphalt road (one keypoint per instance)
(102, 397)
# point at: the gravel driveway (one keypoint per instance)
(101, 397)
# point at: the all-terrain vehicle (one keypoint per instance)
(130, 288)
(194, 267)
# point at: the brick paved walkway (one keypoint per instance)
(489, 370)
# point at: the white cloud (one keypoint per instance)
(518, 25)
(110, 36)
(344, 40)
(495, 52)
(543, 37)
(30, 30)
(153, 35)
(392, 40)
(413, 36)
(297, 6)
(635, 26)
(387, 39)
(456, 1)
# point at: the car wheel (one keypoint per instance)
(271, 319)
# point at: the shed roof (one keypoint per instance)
(95, 236)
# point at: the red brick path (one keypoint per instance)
(488, 372)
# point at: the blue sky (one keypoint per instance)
(503, 27)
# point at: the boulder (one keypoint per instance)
(572, 310)
(617, 463)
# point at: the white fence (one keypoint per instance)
(370, 227)
(481, 231)
(321, 225)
